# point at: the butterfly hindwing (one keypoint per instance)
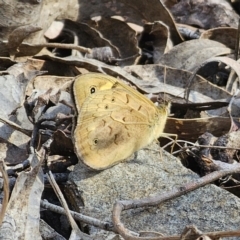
(110, 131)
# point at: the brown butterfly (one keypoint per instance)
(113, 121)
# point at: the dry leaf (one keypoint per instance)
(156, 40)
(49, 81)
(8, 153)
(188, 55)
(191, 129)
(205, 13)
(90, 37)
(15, 14)
(135, 11)
(18, 35)
(175, 82)
(13, 88)
(224, 35)
(119, 35)
(23, 209)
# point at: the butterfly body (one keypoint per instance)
(114, 121)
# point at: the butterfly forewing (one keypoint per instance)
(87, 84)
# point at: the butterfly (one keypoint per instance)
(113, 120)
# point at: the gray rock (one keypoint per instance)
(209, 208)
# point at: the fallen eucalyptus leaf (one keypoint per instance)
(23, 209)
(159, 39)
(18, 35)
(134, 11)
(205, 13)
(188, 55)
(224, 35)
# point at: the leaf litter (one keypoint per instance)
(144, 45)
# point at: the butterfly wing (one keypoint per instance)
(112, 125)
(114, 120)
(90, 83)
(87, 84)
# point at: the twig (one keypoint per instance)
(15, 126)
(76, 232)
(237, 41)
(183, 148)
(204, 146)
(58, 45)
(6, 190)
(64, 46)
(108, 226)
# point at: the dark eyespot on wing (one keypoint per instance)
(95, 141)
(92, 90)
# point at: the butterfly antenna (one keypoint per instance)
(164, 82)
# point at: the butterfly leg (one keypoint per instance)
(170, 136)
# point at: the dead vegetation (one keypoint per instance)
(186, 52)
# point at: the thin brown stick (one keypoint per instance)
(237, 41)
(59, 45)
(184, 148)
(108, 226)
(64, 46)
(210, 146)
(16, 126)
(76, 232)
(120, 206)
(6, 190)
